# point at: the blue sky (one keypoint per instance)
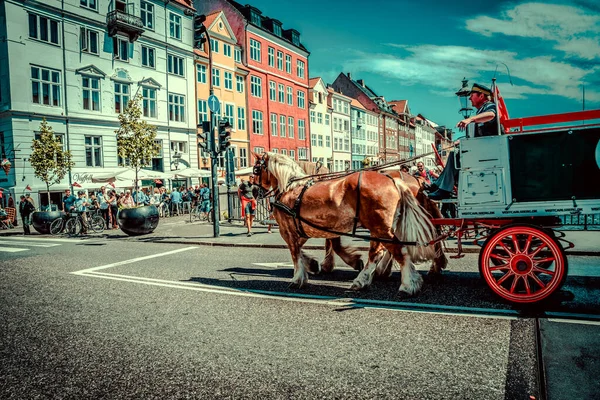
(421, 50)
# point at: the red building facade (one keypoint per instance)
(277, 84)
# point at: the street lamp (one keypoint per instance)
(463, 97)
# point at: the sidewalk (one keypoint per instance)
(180, 230)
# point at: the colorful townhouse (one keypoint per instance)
(365, 142)
(229, 77)
(320, 122)
(389, 120)
(277, 82)
(78, 63)
(340, 121)
(406, 128)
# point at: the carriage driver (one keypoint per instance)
(485, 125)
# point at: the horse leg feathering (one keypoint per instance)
(365, 277)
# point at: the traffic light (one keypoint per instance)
(224, 135)
(199, 30)
(207, 140)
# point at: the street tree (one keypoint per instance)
(49, 161)
(136, 139)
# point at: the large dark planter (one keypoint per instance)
(139, 220)
(41, 220)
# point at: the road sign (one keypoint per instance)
(213, 103)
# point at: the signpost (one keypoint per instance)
(214, 105)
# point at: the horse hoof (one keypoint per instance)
(359, 265)
(314, 267)
(434, 277)
(295, 285)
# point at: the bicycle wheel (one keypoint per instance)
(73, 226)
(97, 223)
(57, 226)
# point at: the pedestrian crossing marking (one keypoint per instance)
(24, 243)
(275, 264)
(11, 249)
(35, 239)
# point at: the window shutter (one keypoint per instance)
(84, 38)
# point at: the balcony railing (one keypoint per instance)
(122, 22)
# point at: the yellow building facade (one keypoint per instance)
(229, 85)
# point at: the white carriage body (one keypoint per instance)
(493, 182)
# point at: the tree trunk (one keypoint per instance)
(48, 193)
(136, 188)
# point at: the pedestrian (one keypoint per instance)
(68, 201)
(246, 194)
(113, 209)
(103, 197)
(127, 201)
(485, 125)
(26, 209)
(204, 195)
(426, 174)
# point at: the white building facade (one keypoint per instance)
(340, 119)
(365, 142)
(321, 147)
(77, 63)
(424, 141)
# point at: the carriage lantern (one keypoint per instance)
(463, 97)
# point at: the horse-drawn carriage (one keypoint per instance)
(512, 186)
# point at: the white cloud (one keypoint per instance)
(573, 30)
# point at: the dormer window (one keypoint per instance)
(277, 29)
(296, 38)
(255, 18)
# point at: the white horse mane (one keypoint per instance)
(284, 169)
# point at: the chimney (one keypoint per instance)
(361, 82)
(349, 76)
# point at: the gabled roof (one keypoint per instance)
(355, 103)
(186, 3)
(399, 105)
(211, 18)
(332, 91)
(91, 70)
(313, 81)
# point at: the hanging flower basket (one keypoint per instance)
(6, 164)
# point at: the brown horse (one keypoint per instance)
(329, 208)
(384, 268)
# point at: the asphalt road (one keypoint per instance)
(123, 319)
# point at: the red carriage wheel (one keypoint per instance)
(523, 263)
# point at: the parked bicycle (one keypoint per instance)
(75, 222)
(197, 215)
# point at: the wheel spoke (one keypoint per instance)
(542, 247)
(499, 257)
(543, 271)
(510, 253)
(514, 283)
(505, 277)
(499, 268)
(537, 280)
(527, 287)
(527, 244)
(515, 244)
(543, 260)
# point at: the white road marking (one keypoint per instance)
(21, 243)
(33, 239)
(275, 264)
(11, 249)
(131, 261)
(572, 321)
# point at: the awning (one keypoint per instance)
(188, 173)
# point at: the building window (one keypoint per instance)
(176, 107)
(175, 26)
(227, 49)
(149, 102)
(228, 80)
(175, 65)
(45, 86)
(120, 49)
(91, 4)
(259, 150)
(320, 118)
(272, 91)
(313, 139)
(147, 14)
(282, 125)
(257, 122)
(237, 55)
(202, 111)
(280, 60)
(216, 77)
(290, 127)
(327, 141)
(121, 96)
(290, 96)
(42, 28)
(89, 40)
(255, 50)
(288, 63)
(271, 57)
(292, 154)
(327, 119)
(312, 116)
(214, 45)
(148, 55)
(239, 84)
(281, 93)
(302, 153)
(91, 93)
(201, 73)
(300, 68)
(241, 118)
(178, 147)
(243, 157)
(320, 140)
(300, 99)
(274, 151)
(273, 124)
(229, 114)
(256, 86)
(93, 151)
(157, 160)
(301, 130)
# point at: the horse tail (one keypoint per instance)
(412, 224)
